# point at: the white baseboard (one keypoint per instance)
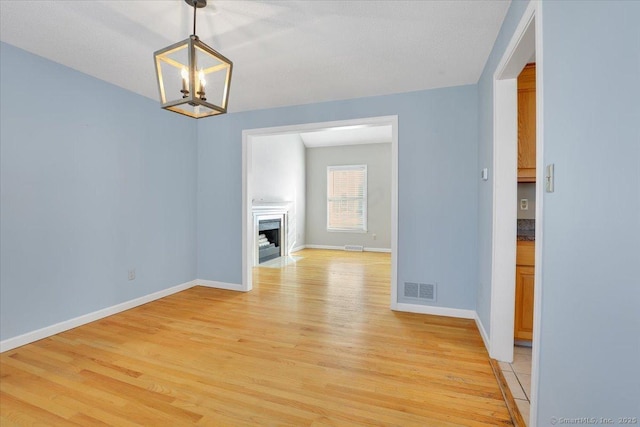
(438, 311)
(220, 285)
(385, 250)
(333, 248)
(483, 332)
(297, 248)
(29, 337)
(341, 248)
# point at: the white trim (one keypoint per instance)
(483, 332)
(247, 222)
(505, 191)
(394, 213)
(297, 248)
(341, 248)
(248, 233)
(384, 250)
(437, 311)
(220, 285)
(327, 247)
(505, 155)
(538, 268)
(57, 328)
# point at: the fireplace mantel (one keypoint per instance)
(260, 207)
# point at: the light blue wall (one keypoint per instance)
(95, 180)
(437, 185)
(590, 335)
(485, 160)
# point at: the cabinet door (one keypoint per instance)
(524, 303)
(527, 124)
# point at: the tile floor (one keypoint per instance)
(518, 377)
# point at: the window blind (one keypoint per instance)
(347, 198)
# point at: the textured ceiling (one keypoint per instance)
(284, 52)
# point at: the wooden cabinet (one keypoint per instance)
(525, 261)
(524, 303)
(527, 124)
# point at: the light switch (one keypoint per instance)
(548, 179)
(485, 174)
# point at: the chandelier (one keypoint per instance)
(193, 78)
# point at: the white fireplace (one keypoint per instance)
(270, 228)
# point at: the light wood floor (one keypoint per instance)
(313, 344)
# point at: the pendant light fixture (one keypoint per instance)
(193, 78)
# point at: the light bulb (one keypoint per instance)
(185, 80)
(203, 82)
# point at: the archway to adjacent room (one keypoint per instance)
(252, 136)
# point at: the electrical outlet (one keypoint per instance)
(375, 236)
(132, 274)
(524, 204)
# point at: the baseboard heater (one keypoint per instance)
(354, 248)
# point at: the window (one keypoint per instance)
(347, 198)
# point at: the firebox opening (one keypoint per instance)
(269, 246)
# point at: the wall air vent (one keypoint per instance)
(427, 291)
(354, 248)
(421, 291)
(411, 290)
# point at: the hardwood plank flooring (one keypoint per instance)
(510, 402)
(313, 344)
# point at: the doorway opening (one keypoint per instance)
(505, 154)
(524, 45)
(250, 232)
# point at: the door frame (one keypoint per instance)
(526, 40)
(248, 136)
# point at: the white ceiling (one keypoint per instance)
(334, 136)
(347, 135)
(284, 52)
